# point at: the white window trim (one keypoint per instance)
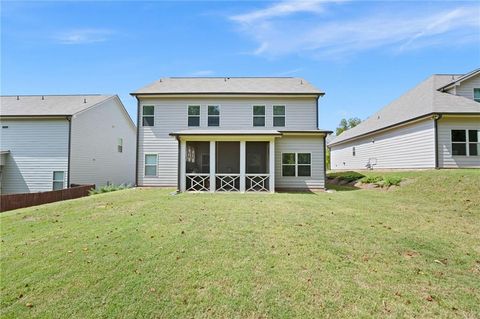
(467, 141)
(57, 180)
(296, 163)
(199, 115)
(264, 115)
(284, 115)
(145, 165)
(208, 115)
(152, 116)
(120, 145)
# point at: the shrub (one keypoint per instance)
(108, 188)
(392, 180)
(371, 179)
(349, 176)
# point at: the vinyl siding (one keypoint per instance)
(466, 87)
(94, 155)
(409, 146)
(38, 147)
(445, 125)
(298, 144)
(171, 115)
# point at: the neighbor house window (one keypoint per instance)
(151, 164)
(476, 94)
(466, 142)
(120, 145)
(279, 115)
(213, 115)
(296, 164)
(353, 151)
(148, 115)
(58, 177)
(259, 115)
(194, 115)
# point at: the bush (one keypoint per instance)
(392, 180)
(349, 176)
(371, 179)
(108, 188)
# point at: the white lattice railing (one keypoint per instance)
(228, 182)
(198, 182)
(257, 182)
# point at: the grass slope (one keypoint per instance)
(413, 251)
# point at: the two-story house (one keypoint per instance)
(434, 125)
(230, 134)
(52, 141)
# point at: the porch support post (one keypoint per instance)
(183, 161)
(242, 165)
(271, 165)
(212, 166)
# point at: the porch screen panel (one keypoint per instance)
(257, 157)
(198, 157)
(228, 158)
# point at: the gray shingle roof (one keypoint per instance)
(241, 85)
(424, 99)
(47, 105)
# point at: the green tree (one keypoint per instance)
(347, 124)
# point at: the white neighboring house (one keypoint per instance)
(230, 134)
(50, 142)
(434, 125)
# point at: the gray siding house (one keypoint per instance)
(230, 134)
(434, 125)
(50, 142)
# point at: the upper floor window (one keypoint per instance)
(194, 115)
(476, 94)
(296, 164)
(120, 145)
(353, 151)
(148, 115)
(58, 178)
(259, 115)
(466, 142)
(151, 164)
(279, 115)
(213, 115)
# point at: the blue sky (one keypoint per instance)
(363, 54)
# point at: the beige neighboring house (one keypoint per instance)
(434, 125)
(230, 134)
(52, 141)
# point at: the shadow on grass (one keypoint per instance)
(342, 188)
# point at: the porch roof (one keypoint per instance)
(226, 132)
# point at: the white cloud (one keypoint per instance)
(396, 30)
(83, 36)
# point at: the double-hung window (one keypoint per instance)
(148, 115)
(58, 180)
(259, 115)
(213, 115)
(476, 94)
(120, 145)
(279, 115)
(296, 164)
(194, 115)
(465, 142)
(151, 164)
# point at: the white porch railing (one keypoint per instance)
(257, 182)
(228, 182)
(198, 182)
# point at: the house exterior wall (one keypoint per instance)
(466, 87)
(408, 146)
(300, 144)
(38, 147)
(94, 155)
(236, 113)
(445, 125)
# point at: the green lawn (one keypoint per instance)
(142, 253)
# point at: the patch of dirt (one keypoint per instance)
(409, 254)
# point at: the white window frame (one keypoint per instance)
(259, 116)
(279, 116)
(120, 145)
(194, 116)
(58, 180)
(213, 115)
(467, 141)
(145, 165)
(297, 164)
(476, 99)
(148, 115)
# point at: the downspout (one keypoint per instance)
(138, 138)
(316, 112)
(325, 161)
(436, 117)
(178, 164)
(69, 119)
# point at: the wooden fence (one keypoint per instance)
(15, 201)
